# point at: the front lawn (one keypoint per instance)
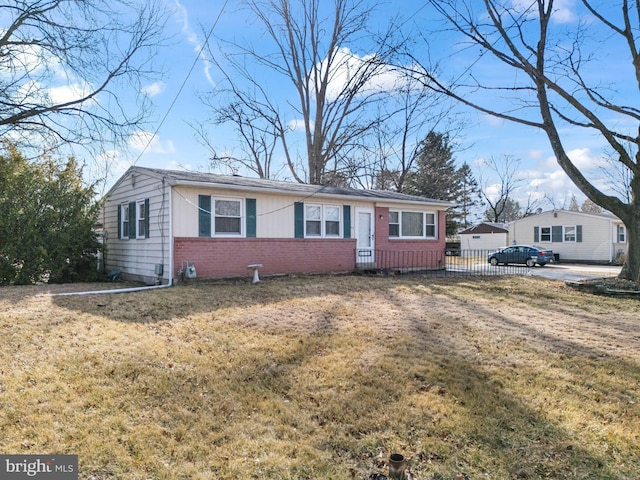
(324, 378)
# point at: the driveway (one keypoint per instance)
(575, 272)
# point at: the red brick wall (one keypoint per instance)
(408, 253)
(229, 257)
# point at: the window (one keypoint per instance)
(322, 220)
(332, 221)
(313, 220)
(558, 234)
(133, 220)
(227, 216)
(545, 234)
(141, 218)
(570, 233)
(430, 224)
(124, 220)
(394, 224)
(621, 234)
(412, 225)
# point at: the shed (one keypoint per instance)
(484, 236)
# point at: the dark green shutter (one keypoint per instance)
(298, 220)
(579, 233)
(556, 233)
(536, 234)
(119, 221)
(250, 204)
(146, 218)
(346, 214)
(132, 220)
(204, 215)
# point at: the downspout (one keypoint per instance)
(170, 232)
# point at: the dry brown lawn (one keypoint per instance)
(324, 378)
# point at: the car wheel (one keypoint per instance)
(531, 262)
(493, 261)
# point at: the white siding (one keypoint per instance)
(597, 235)
(484, 241)
(137, 258)
(274, 212)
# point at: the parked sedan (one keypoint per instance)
(521, 254)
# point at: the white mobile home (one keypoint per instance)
(575, 236)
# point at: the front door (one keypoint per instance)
(365, 238)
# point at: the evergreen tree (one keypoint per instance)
(46, 226)
(468, 198)
(436, 176)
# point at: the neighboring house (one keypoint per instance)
(484, 236)
(158, 222)
(573, 235)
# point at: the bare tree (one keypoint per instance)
(552, 86)
(498, 195)
(258, 138)
(308, 47)
(65, 65)
(411, 111)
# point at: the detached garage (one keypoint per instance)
(484, 236)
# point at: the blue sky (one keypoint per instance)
(175, 144)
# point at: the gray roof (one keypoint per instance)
(179, 177)
(485, 227)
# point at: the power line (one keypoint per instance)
(184, 82)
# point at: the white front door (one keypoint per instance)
(365, 238)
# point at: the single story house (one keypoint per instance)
(163, 225)
(575, 236)
(484, 236)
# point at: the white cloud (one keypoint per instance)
(68, 93)
(154, 89)
(193, 39)
(583, 158)
(296, 125)
(564, 11)
(346, 65)
(144, 141)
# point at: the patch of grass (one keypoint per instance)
(324, 378)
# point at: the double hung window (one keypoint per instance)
(322, 220)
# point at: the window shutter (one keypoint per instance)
(578, 233)
(346, 214)
(146, 218)
(132, 220)
(536, 234)
(298, 220)
(556, 233)
(204, 215)
(250, 205)
(119, 221)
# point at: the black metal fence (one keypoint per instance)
(451, 263)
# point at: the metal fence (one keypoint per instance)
(453, 263)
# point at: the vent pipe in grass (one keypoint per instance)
(397, 466)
